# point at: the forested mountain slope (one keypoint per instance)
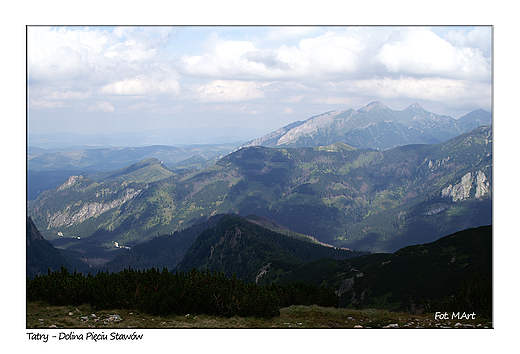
(356, 198)
(237, 246)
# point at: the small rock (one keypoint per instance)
(93, 315)
(70, 313)
(392, 325)
(458, 324)
(53, 326)
(114, 318)
(358, 326)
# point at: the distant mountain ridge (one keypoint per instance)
(109, 159)
(373, 126)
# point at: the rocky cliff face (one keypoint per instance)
(470, 185)
(310, 126)
(66, 217)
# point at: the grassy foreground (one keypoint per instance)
(41, 315)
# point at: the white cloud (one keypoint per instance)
(234, 108)
(64, 54)
(327, 54)
(141, 85)
(335, 100)
(85, 58)
(294, 99)
(284, 33)
(433, 89)
(221, 58)
(347, 53)
(228, 91)
(478, 37)
(419, 51)
(39, 104)
(102, 106)
(331, 53)
(68, 95)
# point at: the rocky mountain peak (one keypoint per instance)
(372, 106)
(414, 106)
(70, 181)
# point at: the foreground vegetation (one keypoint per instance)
(197, 299)
(163, 293)
(43, 315)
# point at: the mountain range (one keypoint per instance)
(362, 199)
(109, 159)
(373, 126)
(391, 209)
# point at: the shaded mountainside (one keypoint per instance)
(412, 275)
(377, 201)
(374, 126)
(41, 254)
(237, 246)
(161, 251)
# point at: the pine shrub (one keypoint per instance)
(165, 293)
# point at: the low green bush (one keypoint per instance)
(165, 293)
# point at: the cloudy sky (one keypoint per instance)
(254, 78)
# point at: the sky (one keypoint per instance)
(253, 79)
